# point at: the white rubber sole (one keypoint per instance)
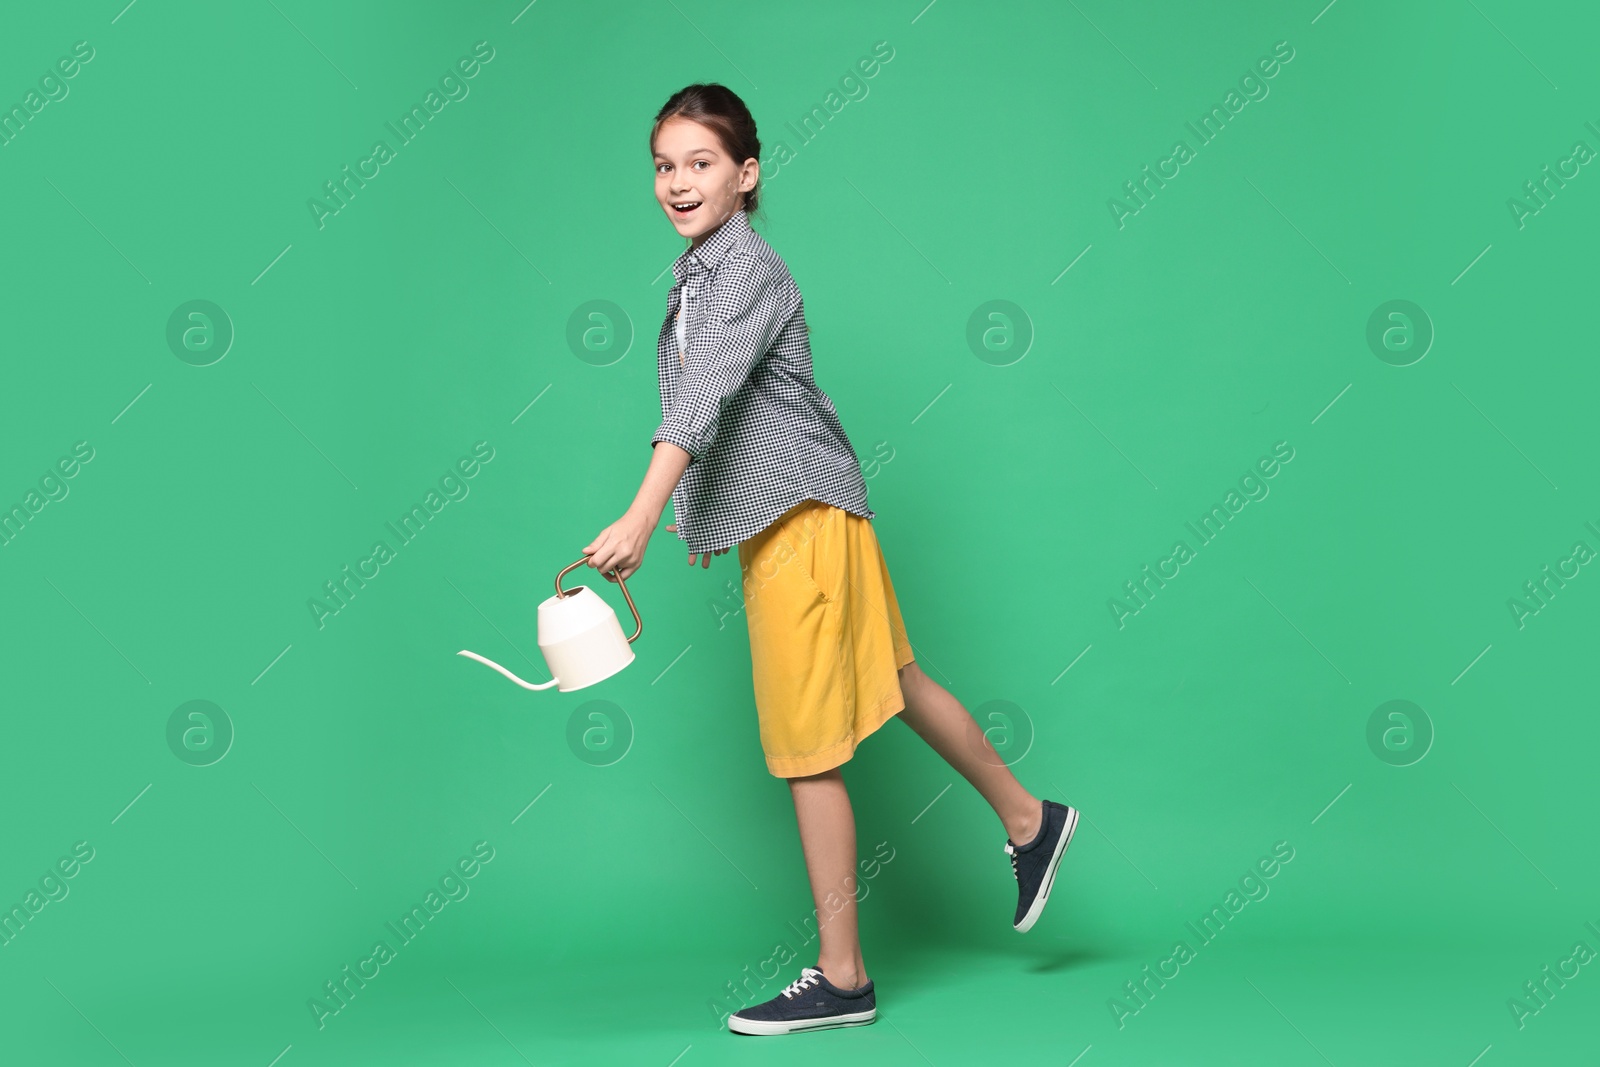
(763, 1027)
(1039, 901)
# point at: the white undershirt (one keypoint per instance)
(683, 343)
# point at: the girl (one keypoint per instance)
(752, 454)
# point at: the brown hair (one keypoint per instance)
(719, 108)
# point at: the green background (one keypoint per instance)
(640, 868)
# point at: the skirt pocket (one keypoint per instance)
(811, 536)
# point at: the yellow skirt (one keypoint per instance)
(826, 637)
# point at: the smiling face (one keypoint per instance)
(693, 170)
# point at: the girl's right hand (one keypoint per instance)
(705, 557)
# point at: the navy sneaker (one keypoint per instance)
(810, 1002)
(1035, 863)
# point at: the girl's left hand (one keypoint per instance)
(705, 557)
(620, 546)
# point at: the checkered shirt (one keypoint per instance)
(740, 397)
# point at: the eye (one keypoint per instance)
(702, 162)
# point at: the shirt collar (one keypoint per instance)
(714, 248)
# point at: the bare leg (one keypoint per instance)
(828, 836)
(940, 719)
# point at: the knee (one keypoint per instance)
(819, 776)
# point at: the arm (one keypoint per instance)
(621, 545)
(667, 465)
(748, 308)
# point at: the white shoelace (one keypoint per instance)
(1014, 872)
(808, 977)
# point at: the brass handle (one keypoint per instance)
(560, 592)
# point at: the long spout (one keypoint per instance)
(508, 674)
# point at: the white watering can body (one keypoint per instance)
(580, 637)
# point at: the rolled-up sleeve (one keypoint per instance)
(747, 307)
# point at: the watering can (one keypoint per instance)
(580, 637)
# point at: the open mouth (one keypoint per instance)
(686, 208)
